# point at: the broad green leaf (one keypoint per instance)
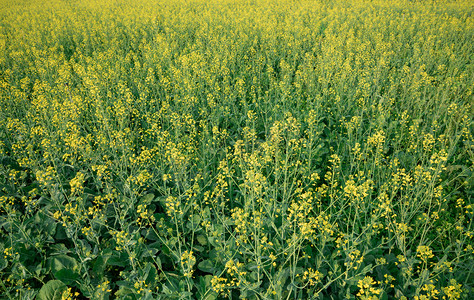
(211, 296)
(118, 259)
(147, 198)
(125, 293)
(150, 234)
(101, 262)
(52, 290)
(202, 239)
(124, 283)
(206, 266)
(198, 248)
(67, 276)
(149, 252)
(62, 261)
(3, 263)
(149, 273)
(59, 249)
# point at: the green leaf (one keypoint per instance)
(147, 198)
(99, 265)
(194, 222)
(124, 283)
(101, 262)
(67, 276)
(185, 295)
(213, 254)
(3, 263)
(59, 249)
(60, 233)
(366, 269)
(202, 239)
(125, 293)
(212, 296)
(206, 266)
(60, 262)
(119, 259)
(158, 263)
(149, 273)
(147, 296)
(39, 269)
(149, 252)
(150, 235)
(198, 248)
(205, 287)
(52, 290)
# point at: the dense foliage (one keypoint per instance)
(236, 149)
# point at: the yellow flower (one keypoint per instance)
(424, 252)
(77, 183)
(367, 291)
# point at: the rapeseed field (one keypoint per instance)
(236, 149)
